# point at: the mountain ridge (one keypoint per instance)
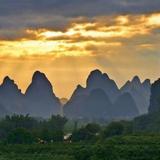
(40, 99)
(99, 80)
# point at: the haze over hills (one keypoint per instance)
(94, 105)
(97, 79)
(150, 122)
(101, 98)
(125, 107)
(139, 91)
(155, 97)
(11, 97)
(40, 99)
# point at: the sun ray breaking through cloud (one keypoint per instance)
(120, 45)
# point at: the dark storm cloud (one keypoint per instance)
(20, 14)
(77, 7)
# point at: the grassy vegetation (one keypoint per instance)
(122, 140)
(133, 147)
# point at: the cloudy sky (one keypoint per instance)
(66, 39)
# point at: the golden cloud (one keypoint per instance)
(100, 32)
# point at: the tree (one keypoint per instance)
(45, 135)
(10, 123)
(93, 128)
(49, 135)
(104, 152)
(56, 122)
(51, 129)
(87, 133)
(113, 129)
(20, 136)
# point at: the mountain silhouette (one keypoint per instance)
(125, 107)
(97, 79)
(100, 99)
(92, 106)
(74, 107)
(39, 96)
(150, 122)
(155, 97)
(95, 100)
(11, 97)
(98, 105)
(140, 93)
(3, 111)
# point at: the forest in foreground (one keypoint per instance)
(24, 137)
(117, 148)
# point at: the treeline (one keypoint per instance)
(44, 139)
(115, 148)
(20, 129)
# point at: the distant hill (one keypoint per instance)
(39, 97)
(101, 98)
(151, 122)
(95, 105)
(3, 111)
(63, 101)
(100, 80)
(140, 93)
(155, 97)
(11, 97)
(125, 107)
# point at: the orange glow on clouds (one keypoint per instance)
(154, 19)
(76, 38)
(122, 46)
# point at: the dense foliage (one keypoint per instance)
(25, 138)
(115, 148)
(25, 129)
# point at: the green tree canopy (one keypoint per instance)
(20, 136)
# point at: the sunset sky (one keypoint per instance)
(66, 39)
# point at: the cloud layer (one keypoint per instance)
(16, 15)
(66, 39)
